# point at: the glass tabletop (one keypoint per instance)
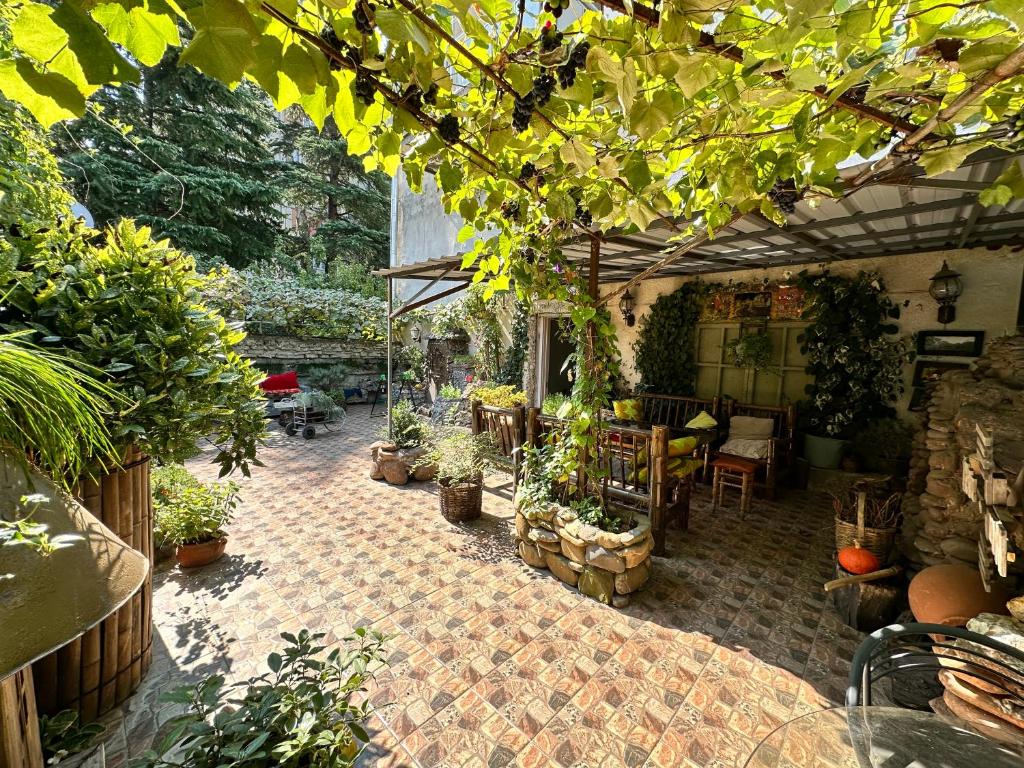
(878, 737)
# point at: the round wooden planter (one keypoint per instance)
(103, 667)
(461, 502)
(19, 725)
(195, 555)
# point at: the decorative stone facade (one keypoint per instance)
(941, 525)
(302, 349)
(606, 566)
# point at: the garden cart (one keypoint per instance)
(312, 409)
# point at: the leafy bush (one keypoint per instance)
(408, 431)
(271, 302)
(62, 735)
(188, 511)
(300, 713)
(120, 302)
(883, 440)
(460, 456)
(498, 395)
(751, 350)
(450, 392)
(666, 348)
(590, 512)
(512, 367)
(553, 403)
(853, 356)
(413, 359)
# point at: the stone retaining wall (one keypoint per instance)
(940, 523)
(606, 566)
(301, 349)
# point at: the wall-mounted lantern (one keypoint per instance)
(416, 332)
(946, 288)
(626, 304)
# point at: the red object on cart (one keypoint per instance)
(286, 383)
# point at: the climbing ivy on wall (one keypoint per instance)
(666, 348)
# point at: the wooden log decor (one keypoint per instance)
(19, 727)
(99, 670)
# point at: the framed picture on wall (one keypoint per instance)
(930, 371)
(950, 343)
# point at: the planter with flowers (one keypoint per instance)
(459, 459)
(604, 554)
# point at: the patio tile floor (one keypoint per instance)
(493, 663)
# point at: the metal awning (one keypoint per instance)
(904, 214)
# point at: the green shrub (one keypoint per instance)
(883, 440)
(407, 430)
(133, 308)
(450, 392)
(188, 511)
(62, 735)
(498, 395)
(460, 457)
(666, 348)
(299, 714)
(553, 403)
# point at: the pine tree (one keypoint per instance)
(198, 164)
(340, 213)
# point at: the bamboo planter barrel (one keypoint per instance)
(99, 670)
(19, 726)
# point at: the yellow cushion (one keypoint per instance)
(682, 467)
(681, 446)
(702, 420)
(629, 410)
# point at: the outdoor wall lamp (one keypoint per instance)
(626, 304)
(416, 333)
(946, 288)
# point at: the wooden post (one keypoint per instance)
(518, 439)
(659, 487)
(20, 746)
(532, 427)
(474, 416)
(588, 355)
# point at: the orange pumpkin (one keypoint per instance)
(858, 560)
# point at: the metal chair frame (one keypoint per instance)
(874, 661)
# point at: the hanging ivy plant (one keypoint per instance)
(751, 350)
(853, 355)
(666, 349)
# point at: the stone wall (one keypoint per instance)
(358, 362)
(940, 523)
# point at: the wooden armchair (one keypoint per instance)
(781, 445)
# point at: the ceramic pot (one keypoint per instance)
(195, 555)
(823, 452)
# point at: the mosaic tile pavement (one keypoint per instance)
(493, 663)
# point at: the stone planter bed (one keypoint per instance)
(394, 464)
(606, 566)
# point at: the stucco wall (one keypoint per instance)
(990, 300)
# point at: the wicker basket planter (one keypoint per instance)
(881, 542)
(461, 501)
(606, 566)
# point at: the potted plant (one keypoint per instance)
(192, 515)
(853, 357)
(884, 446)
(460, 459)
(751, 350)
(395, 457)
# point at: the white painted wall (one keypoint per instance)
(990, 300)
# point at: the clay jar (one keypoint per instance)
(952, 595)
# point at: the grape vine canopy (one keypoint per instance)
(620, 116)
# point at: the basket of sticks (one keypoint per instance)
(869, 513)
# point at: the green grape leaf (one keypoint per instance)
(99, 61)
(50, 97)
(144, 33)
(223, 46)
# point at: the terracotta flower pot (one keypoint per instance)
(195, 555)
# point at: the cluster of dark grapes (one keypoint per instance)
(784, 194)
(448, 128)
(528, 171)
(510, 209)
(858, 93)
(583, 216)
(361, 14)
(543, 87)
(529, 255)
(430, 97)
(413, 97)
(550, 38)
(364, 88)
(555, 7)
(521, 111)
(577, 59)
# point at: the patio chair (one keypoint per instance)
(976, 669)
(674, 411)
(775, 453)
